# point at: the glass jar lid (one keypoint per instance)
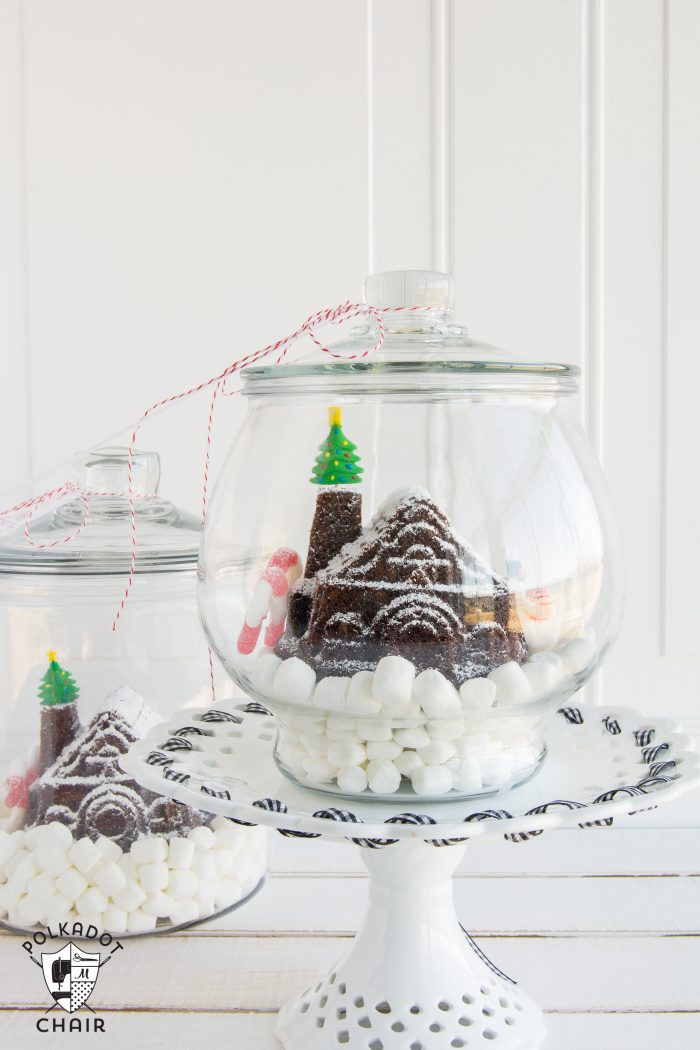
(420, 340)
(89, 533)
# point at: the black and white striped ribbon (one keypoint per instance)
(345, 816)
(191, 731)
(612, 725)
(157, 758)
(215, 715)
(254, 708)
(422, 820)
(650, 754)
(176, 775)
(643, 737)
(206, 789)
(572, 715)
(177, 743)
(525, 836)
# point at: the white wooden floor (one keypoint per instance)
(601, 927)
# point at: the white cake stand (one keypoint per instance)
(413, 978)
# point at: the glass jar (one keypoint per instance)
(409, 555)
(78, 838)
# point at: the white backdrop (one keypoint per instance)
(182, 180)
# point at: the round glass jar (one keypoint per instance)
(80, 840)
(409, 555)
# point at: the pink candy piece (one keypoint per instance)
(18, 789)
(277, 579)
(284, 559)
(273, 633)
(248, 638)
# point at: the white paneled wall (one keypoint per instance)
(181, 180)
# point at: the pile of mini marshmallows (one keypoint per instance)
(49, 877)
(371, 730)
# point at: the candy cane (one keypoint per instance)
(270, 596)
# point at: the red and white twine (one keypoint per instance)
(335, 315)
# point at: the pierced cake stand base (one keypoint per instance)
(412, 977)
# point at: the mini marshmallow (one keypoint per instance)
(382, 776)
(512, 687)
(393, 681)
(347, 753)
(361, 699)
(446, 729)
(92, 902)
(308, 723)
(52, 859)
(478, 694)
(139, 922)
(437, 752)
(22, 872)
(228, 892)
(315, 744)
(223, 861)
(577, 654)
(158, 904)
(417, 737)
(56, 907)
(294, 681)
(264, 670)
(203, 837)
(319, 770)
(231, 838)
(205, 906)
(57, 834)
(352, 779)
(548, 657)
(542, 676)
(131, 897)
(429, 781)
(407, 762)
(71, 883)
(497, 769)
(41, 887)
(15, 860)
(8, 846)
(109, 877)
(467, 776)
(30, 910)
(383, 749)
(184, 911)
(408, 715)
(109, 850)
(436, 695)
(114, 919)
(153, 876)
(84, 855)
(128, 866)
(374, 730)
(331, 694)
(182, 884)
(9, 898)
(340, 724)
(148, 850)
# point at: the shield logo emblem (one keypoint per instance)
(70, 975)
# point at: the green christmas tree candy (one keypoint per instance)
(337, 462)
(58, 685)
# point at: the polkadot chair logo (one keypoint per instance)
(70, 974)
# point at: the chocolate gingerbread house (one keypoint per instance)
(87, 790)
(405, 585)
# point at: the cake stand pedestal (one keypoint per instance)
(413, 979)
